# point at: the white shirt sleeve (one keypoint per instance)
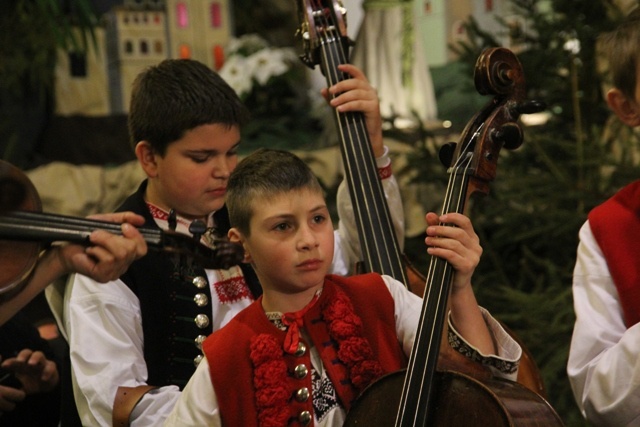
(198, 405)
(408, 307)
(106, 348)
(347, 251)
(603, 365)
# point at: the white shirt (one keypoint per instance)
(103, 324)
(198, 404)
(604, 362)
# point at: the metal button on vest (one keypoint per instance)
(302, 395)
(200, 282)
(301, 350)
(197, 360)
(304, 417)
(301, 371)
(199, 340)
(202, 321)
(201, 300)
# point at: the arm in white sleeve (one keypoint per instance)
(198, 405)
(603, 365)
(408, 307)
(104, 328)
(347, 243)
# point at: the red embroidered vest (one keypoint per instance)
(233, 371)
(616, 227)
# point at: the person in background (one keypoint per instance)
(135, 344)
(604, 356)
(29, 376)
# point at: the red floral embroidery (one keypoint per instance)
(345, 327)
(270, 369)
(270, 381)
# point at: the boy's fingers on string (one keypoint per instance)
(353, 71)
(119, 217)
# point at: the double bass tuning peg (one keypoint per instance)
(510, 134)
(446, 153)
(529, 107)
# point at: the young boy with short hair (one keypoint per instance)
(312, 342)
(136, 342)
(604, 361)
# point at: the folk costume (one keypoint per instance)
(144, 331)
(358, 329)
(603, 359)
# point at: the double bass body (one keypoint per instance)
(461, 400)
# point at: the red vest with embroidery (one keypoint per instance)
(251, 372)
(616, 227)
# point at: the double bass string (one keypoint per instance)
(417, 388)
(359, 161)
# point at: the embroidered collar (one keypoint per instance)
(291, 323)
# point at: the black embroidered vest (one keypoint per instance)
(172, 321)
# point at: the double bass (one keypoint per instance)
(430, 393)
(323, 33)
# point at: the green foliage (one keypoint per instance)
(529, 222)
(32, 31)
(28, 56)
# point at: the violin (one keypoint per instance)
(430, 393)
(25, 231)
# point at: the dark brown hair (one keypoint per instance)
(176, 96)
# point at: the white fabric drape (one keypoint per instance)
(389, 49)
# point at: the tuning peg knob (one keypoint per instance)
(197, 228)
(446, 153)
(510, 135)
(530, 107)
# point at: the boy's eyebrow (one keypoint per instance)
(213, 151)
(285, 215)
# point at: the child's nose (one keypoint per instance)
(307, 238)
(221, 169)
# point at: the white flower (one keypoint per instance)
(235, 72)
(572, 46)
(269, 62)
(248, 42)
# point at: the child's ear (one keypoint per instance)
(147, 158)
(235, 236)
(627, 110)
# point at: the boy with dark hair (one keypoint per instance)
(312, 342)
(136, 343)
(603, 364)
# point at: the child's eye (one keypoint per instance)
(319, 219)
(199, 159)
(283, 226)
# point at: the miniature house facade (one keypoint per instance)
(136, 35)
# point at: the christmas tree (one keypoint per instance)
(528, 224)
